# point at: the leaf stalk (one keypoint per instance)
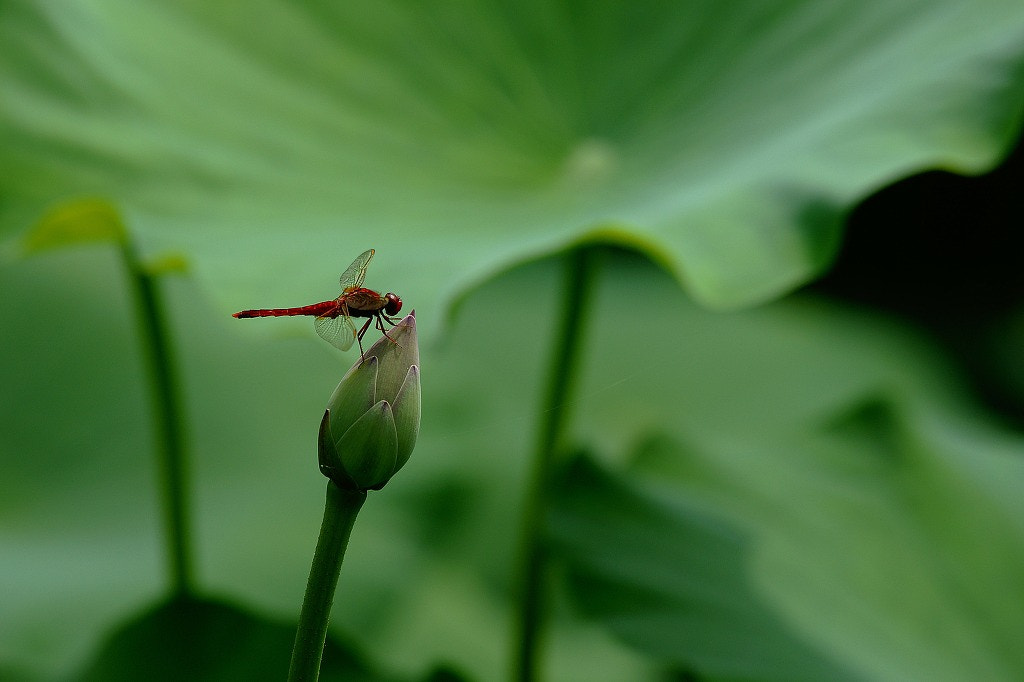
(580, 275)
(167, 416)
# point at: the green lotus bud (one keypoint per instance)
(373, 418)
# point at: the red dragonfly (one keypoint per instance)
(334, 318)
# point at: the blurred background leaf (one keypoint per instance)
(77, 222)
(871, 553)
(269, 143)
(674, 581)
(205, 639)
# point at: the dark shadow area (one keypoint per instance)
(946, 252)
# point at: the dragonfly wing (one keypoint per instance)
(354, 274)
(337, 331)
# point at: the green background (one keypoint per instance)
(762, 485)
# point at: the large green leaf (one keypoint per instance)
(894, 555)
(674, 580)
(890, 556)
(271, 141)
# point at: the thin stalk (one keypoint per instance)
(339, 516)
(580, 274)
(167, 417)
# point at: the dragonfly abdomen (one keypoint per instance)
(317, 309)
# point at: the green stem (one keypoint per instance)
(339, 516)
(167, 415)
(579, 287)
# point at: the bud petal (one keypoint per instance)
(369, 448)
(407, 415)
(330, 462)
(354, 396)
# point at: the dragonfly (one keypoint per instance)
(334, 318)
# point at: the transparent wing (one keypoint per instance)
(337, 331)
(354, 274)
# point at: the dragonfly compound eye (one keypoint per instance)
(393, 305)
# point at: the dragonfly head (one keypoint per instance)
(393, 305)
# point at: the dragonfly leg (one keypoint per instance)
(359, 337)
(381, 318)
